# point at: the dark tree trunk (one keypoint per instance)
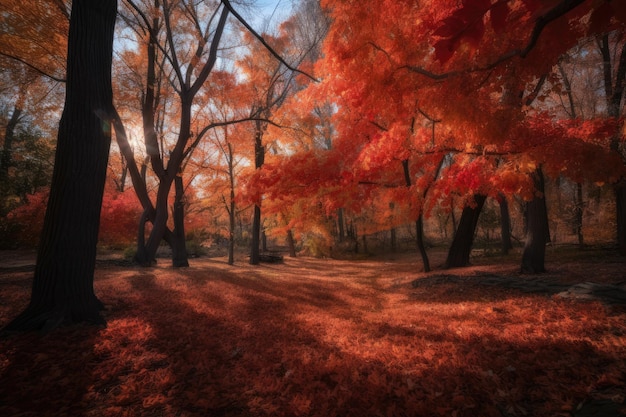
(580, 206)
(419, 223)
(459, 253)
(7, 148)
(537, 230)
(419, 233)
(63, 281)
(340, 223)
(180, 257)
(620, 202)
(255, 255)
(505, 224)
(259, 160)
(614, 92)
(393, 238)
(263, 241)
(291, 243)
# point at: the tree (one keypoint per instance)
(63, 281)
(440, 57)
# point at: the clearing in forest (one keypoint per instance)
(319, 337)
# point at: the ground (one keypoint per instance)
(323, 337)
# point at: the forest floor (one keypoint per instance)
(324, 337)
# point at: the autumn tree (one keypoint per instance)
(63, 281)
(441, 58)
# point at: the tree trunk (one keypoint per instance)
(620, 202)
(340, 223)
(459, 253)
(291, 243)
(263, 241)
(394, 247)
(614, 92)
(580, 205)
(63, 282)
(259, 159)
(537, 230)
(256, 234)
(505, 224)
(419, 233)
(7, 148)
(419, 223)
(180, 257)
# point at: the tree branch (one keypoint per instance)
(260, 38)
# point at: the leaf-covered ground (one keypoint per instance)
(323, 338)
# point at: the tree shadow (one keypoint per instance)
(48, 375)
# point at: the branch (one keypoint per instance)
(34, 68)
(260, 38)
(542, 21)
(225, 123)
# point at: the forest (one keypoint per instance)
(312, 208)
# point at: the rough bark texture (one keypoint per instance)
(459, 253)
(63, 282)
(537, 230)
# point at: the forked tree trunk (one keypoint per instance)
(459, 253)
(63, 282)
(537, 230)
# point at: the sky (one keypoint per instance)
(270, 11)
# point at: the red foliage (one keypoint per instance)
(29, 218)
(119, 218)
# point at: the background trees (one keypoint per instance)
(417, 118)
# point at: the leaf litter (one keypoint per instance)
(316, 337)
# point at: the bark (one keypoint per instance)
(63, 282)
(620, 202)
(419, 232)
(537, 230)
(291, 243)
(505, 224)
(459, 253)
(394, 247)
(340, 222)
(180, 257)
(255, 255)
(580, 205)
(614, 93)
(7, 148)
(259, 159)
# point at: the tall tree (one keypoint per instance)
(63, 281)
